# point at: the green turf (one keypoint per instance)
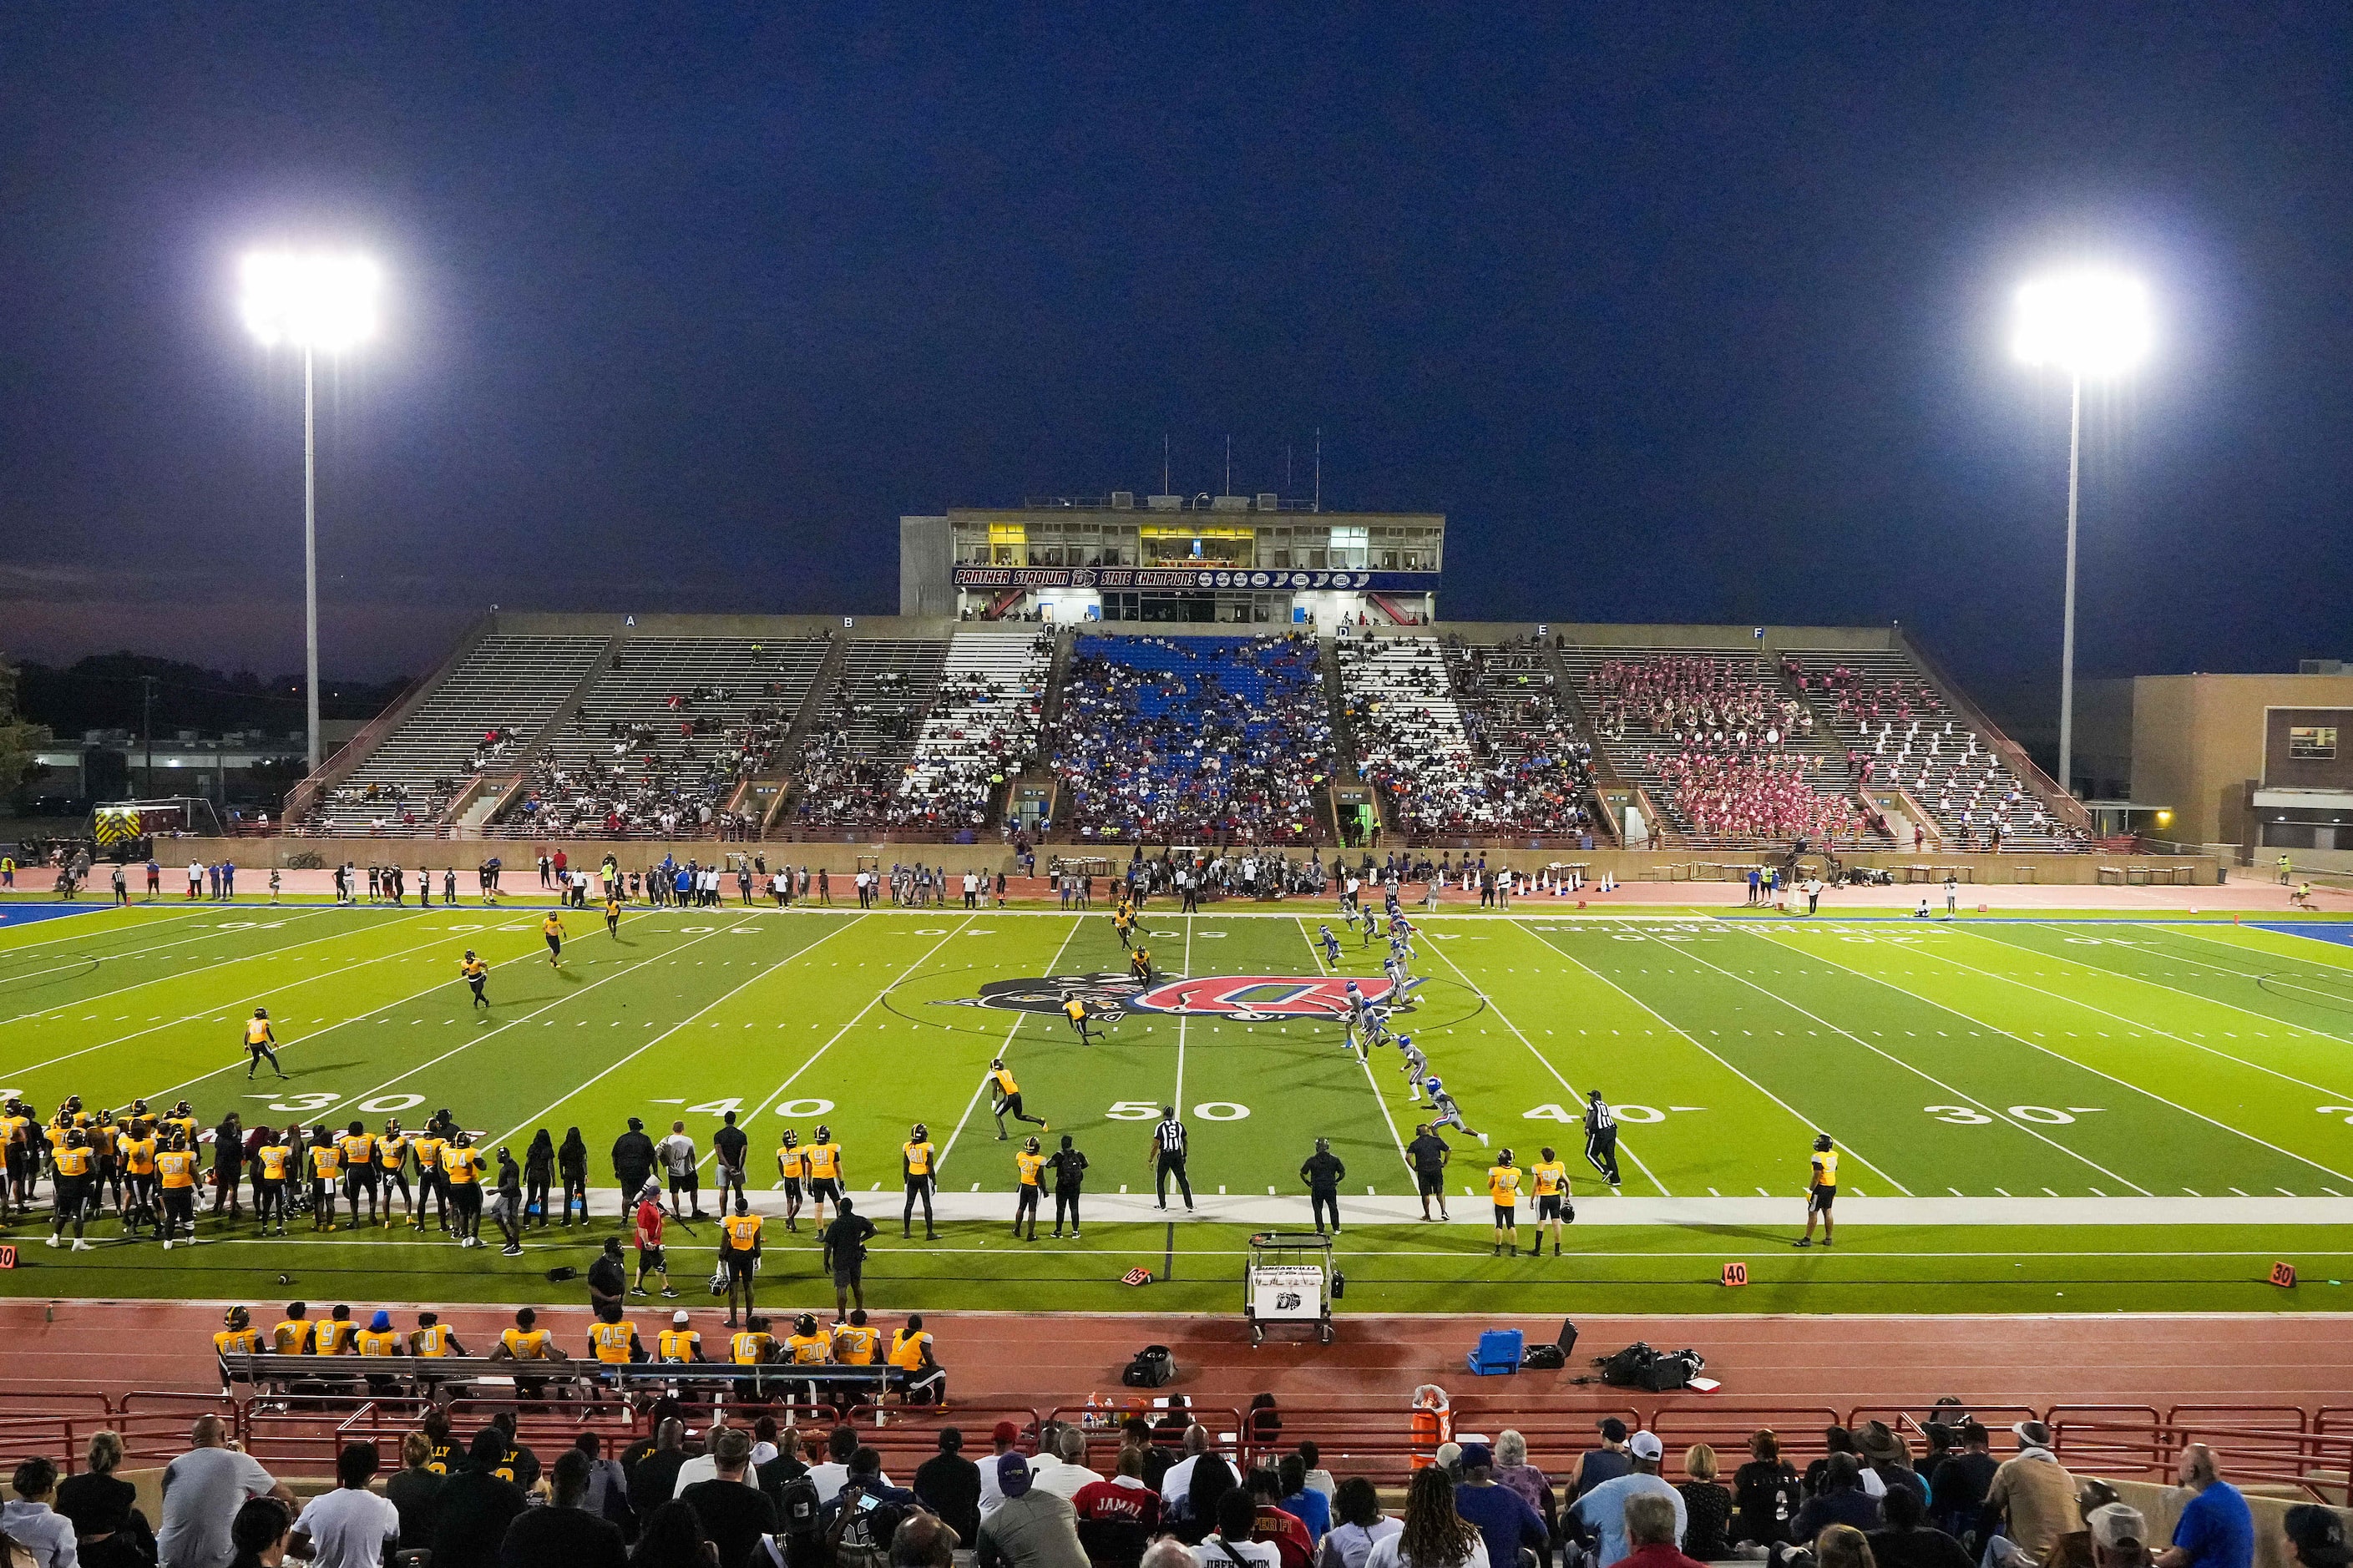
(2070, 1058)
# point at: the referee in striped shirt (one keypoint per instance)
(1601, 1137)
(1168, 1156)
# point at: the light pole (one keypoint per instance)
(316, 302)
(2094, 323)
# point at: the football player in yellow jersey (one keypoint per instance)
(104, 1137)
(917, 1160)
(260, 1043)
(552, 928)
(273, 1165)
(910, 1350)
(358, 1146)
(184, 1120)
(526, 1340)
(809, 1345)
(336, 1336)
(1028, 1162)
(1123, 921)
(613, 915)
(792, 1170)
(237, 1335)
(1139, 964)
(679, 1343)
(380, 1338)
(823, 1162)
(176, 1172)
(1550, 1179)
(1075, 1010)
(430, 1187)
(739, 1254)
(295, 1333)
(431, 1337)
(136, 1151)
(16, 1142)
(613, 1340)
(1504, 1189)
(1821, 1189)
(462, 1167)
(755, 1345)
(326, 1170)
(854, 1343)
(392, 1168)
(477, 974)
(1007, 1101)
(72, 1171)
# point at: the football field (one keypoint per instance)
(2033, 1113)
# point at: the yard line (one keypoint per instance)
(1364, 1059)
(2149, 1028)
(84, 933)
(1970, 1099)
(1727, 1067)
(135, 952)
(1540, 1056)
(1188, 962)
(869, 1006)
(285, 986)
(580, 1088)
(2244, 975)
(2071, 1061)
(471, 1041)
(1018, 1019)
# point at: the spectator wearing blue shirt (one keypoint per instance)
(2216, 1530)
(1502, 1516)
(1311, 1508)
(1601, 1513)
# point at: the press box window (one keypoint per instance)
(2312, 743)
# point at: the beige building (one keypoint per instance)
(2261, 761)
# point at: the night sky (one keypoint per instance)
(1679, 313)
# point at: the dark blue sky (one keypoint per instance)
(1679, 313)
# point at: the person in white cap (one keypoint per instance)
(1602, 1511)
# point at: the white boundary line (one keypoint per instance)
(59, 1008)
(1363, 1058)
(7, 948)
(940, 1166)
(1973, 1019)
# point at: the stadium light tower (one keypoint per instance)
(2091, 322)
(320, 303)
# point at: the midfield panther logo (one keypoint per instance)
(1244, 998)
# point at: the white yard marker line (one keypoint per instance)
(118, 957)
(1673, 1028)
(85, 933)
(2148, 1029)
(795, 1075)
(2212, 1001)
(1924, 1076)
(1188, 962)
(1541, 1057)
(292, 983)
(1365, 1060)
(1018, 1019)
(579, 1088)
(2071, 1061)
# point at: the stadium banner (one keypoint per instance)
(1119, 577)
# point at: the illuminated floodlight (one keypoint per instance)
(2091, 322)
(309, 299)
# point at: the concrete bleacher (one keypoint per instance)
(666, 731)
(1538, 758)
(509, 684)
(856, 756)
(984, 724)
(1881, 704)
(1407, 729)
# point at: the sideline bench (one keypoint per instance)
(434, 1376)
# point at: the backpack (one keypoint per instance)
(1543, 1358)
(1153, 1366)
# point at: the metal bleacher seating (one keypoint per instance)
(666, 732)
(1539, 766)
(1407, 729)
(1776, 728)
(983, 725)
(1882, 705)
(509, 686)
(856, 756)
(441, 1376)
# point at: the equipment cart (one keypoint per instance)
(1291, 1278)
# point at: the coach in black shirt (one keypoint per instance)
(1430, 1154)
(729, 1144)
(845, 1255)
(1323, 1173)
(633, 1162)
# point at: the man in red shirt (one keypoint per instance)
(649, 1241)
(1119, 1517)
(1286, 1533)
(1651, 1534)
